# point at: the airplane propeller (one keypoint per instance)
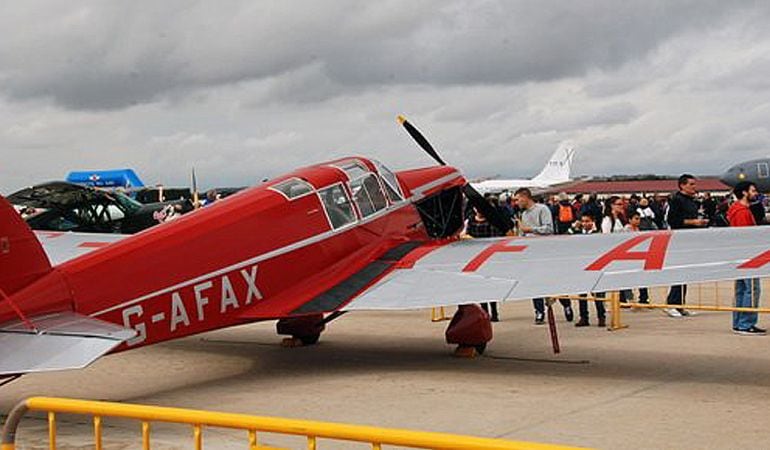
(195, 195)
(475, 199)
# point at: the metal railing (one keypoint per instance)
(713, 296)
(197, 419)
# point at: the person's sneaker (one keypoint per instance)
(672, 312)
(583, 322)
(539, 318)
(602, 322)
(753, 331)
(569, 314)
(495, 319)
(686, 312)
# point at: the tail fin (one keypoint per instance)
(558, 168)
(22, 259)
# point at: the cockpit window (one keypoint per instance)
(293, 188)
(337, 205)
(763, 170)
(352, 168)
(368, 195)
(392, 188)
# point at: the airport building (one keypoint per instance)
(647, 187)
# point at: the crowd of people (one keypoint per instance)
(587, 214)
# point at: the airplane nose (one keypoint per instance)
(732, 176)
(728, 178)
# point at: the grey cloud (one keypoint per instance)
(247, 90)
(110, 55)
(614, 114)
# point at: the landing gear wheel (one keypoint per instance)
(470, 329)
(309, 340)
(304, 330)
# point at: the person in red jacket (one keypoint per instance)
(746, 291)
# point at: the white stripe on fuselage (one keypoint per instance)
(418, 194)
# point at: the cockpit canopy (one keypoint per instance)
(360, 189)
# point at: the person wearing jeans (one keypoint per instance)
(746, 291)
(536, 219)
(746, 296)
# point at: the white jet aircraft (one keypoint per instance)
(555, 172)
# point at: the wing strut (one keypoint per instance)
(17, 310)
(552, 330)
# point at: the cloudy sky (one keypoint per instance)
(243, 90)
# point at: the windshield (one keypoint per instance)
(392, 188)
(368, 195)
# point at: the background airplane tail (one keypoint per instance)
(558, 169)
(22, 259)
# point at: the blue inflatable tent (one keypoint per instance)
(125, 178)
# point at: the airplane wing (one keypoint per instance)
(62, 246)
(58, 341)
(500, 269)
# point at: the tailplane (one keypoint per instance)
(22, 259)
(559, 167)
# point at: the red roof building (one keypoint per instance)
(628, 187)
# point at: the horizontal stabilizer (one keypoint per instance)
(60, 341)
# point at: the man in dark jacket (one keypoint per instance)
(659, 206)
(683, 212)
(478, 227)
(757, 207)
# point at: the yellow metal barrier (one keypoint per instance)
(698, 293)
(438, 314)
(313, 430)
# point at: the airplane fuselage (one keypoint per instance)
(272, 251)
(757, 171)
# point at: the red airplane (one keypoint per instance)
(308, 246)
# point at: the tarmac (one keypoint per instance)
(661, 383)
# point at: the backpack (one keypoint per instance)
(647, 224)
(566, 215)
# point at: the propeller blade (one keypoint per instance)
(491, 213)
(420, 139)
(195, 197)
(475, 199)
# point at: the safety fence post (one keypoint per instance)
(615, 318)
(438, 314)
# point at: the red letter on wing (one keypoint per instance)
(653, 257)
(757, 261)
(485, 254)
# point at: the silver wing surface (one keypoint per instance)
(59, 341)
(62, 246)
(500, 269)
